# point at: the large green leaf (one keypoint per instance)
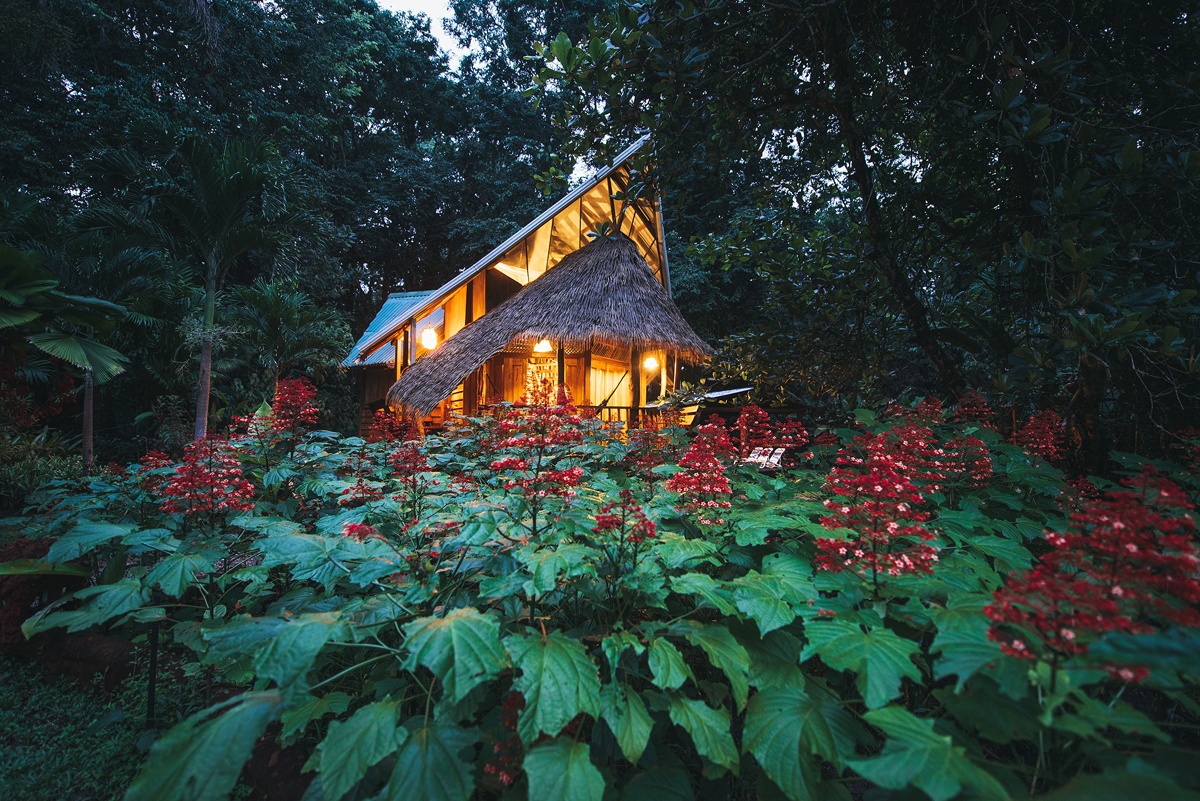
(201, 758)
(546, 564)
(878, 657)
(784, 728)
(562, 769)
(429, 766)
(100, 604)
(84, 537)
(461, 649)
(667, 667)
(724, 652)
(34, 567)
(103, 361)
(353, 746)
(558, 680)
(962, 640)
(625, 713)
(915, 755)
(287, 657)
(1120, 786)
(709, 729)
(178, 572)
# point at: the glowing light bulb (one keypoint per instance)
(429, 339)
(543, 347)
(651, 363)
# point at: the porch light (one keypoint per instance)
(543, 347)
(429, 339)
(651, 363)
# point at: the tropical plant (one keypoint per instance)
(528, 605)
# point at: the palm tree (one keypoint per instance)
(206, 208)
(285, 329)
(35, 311)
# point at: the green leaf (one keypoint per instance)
(783, 730)
(546, 564)
(288, 656)
(429, 766)
(35, 567)
(558, 680)
(661, 783)
(724, 652)
(178, 572)
(84, 537)
(667, 667)
(962, 640)
(878, 657)
(709, 729)
(353, 746)
(1120, 786)
(915, 755)
(462, 649)
(296, 719)
(625, 713)
(758, 597)
(88, 354)
(618, 643)
(201, 758)
(563, 769)
(707, 589)
(101, 603)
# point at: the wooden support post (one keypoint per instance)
(635, 384)
(562, 365)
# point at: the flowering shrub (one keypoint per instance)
(532, 605)
(1042, 435)
(209, 482)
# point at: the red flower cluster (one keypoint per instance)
(208, 482)
(827, 439)
(508, 753)
(1042, 435)
(1125, 561)
(755, 430)
(967, 461)
(293, 412)
(1188, 447)
(148, 473)
(626, 518)
(972, 408)
(881, 507)
(359, 531)
(386, 426)
(558, 483)
(702, 484)
(918, 454)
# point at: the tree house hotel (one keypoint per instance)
(579, 296)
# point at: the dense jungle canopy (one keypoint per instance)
(864, 200)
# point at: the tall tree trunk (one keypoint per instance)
(880, 250)
(89, 399)
(204, 381)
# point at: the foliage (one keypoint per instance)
(523, 604)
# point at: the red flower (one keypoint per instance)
(1126, 561)
(292, 412)
(1042, 435)
(626, 518)
(972, 408)
(702, 484)
(881, 508)
(359, 531)
(209, 481)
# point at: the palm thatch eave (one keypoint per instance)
(605, 292)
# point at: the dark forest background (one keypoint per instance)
(864, 201)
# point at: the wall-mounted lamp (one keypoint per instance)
(543, 346)
(651, 363)
(429, 339)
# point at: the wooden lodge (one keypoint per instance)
(557, 301)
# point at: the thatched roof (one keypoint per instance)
(603, 293)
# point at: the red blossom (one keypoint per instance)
(208, 481)
(292, 412)
(507, 751)
(1042, 435)
(702, 484)
(972, 408)
(967, 461)
(626, 518)
(359, 531)
(1126, 561)
(881, 507)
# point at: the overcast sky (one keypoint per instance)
(436, 10)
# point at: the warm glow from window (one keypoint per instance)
(651, 363)
(543, 347)
(429, 339)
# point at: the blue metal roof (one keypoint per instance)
(395, 312)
